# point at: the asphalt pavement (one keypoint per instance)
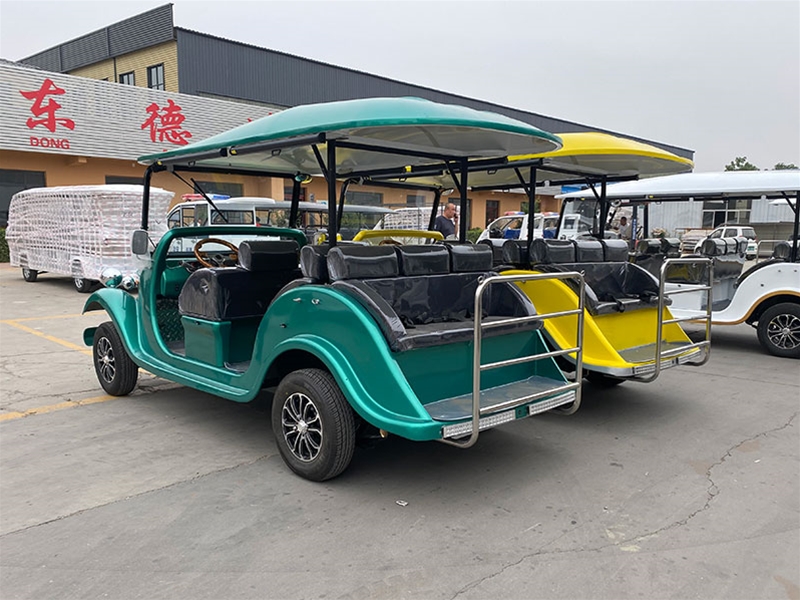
(688, 487)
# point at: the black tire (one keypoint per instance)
(313, 424)
(29, 274)
(83, 285)
(602, 380)
(779, 330)
(115, 370)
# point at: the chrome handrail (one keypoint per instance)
(660, 321)
(478, 368)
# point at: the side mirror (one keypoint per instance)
(495, 233)
(140, 243)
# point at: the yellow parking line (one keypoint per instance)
(65, 343)
(10, 416)
(43, 318)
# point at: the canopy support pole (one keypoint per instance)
(331, 177)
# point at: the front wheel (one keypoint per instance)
(313, 424)
(115, 370)
(29, 274)
(779, 330)
(84, 286)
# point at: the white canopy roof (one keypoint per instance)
(688, 185)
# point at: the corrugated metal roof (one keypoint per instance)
(140, 31)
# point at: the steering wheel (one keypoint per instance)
(217, 260)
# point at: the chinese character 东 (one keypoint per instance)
(39, 108)
(166, 124)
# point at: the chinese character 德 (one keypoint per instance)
(38, 109)
(169, 129)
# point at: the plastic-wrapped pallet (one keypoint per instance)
(81, 230)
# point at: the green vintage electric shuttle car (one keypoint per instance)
(421, 341)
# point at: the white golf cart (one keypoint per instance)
(767, 295)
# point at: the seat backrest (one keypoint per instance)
(470, 258)
(615, 250)
(517, 253)
(648, 246)
(314, 260)
(496, 246)
(362, 262)
(713, 247)
(550, 251)
(588, 251)
(269, 255)
(423, 260)
(782, 250)
(671, 247)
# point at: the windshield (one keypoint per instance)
(279, 217)
(232, 217)
(361, 220)
(581, 216)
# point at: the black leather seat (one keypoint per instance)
(610, 286)
(225, 294)
(424, 295)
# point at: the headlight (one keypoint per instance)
(111, 277)
(129, 283)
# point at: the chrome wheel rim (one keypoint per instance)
(79, 282)
(783, 331)
(302, 427)
(26, 272)
(106, 366)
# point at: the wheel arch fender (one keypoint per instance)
(322, 354)
(769, 301)
(121, 308)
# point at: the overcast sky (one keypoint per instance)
(721, 78)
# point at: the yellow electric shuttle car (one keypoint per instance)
(629, 332)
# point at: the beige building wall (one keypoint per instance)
(137, 62)
(79, 170)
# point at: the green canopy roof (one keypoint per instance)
(408, 125)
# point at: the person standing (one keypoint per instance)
(444, 222)
(624, 229)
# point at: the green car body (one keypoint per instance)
(306, 326)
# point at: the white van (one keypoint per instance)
(81, 230)
(515, 227)
(268, 212)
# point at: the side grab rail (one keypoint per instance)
(705, 344)
(478, 368)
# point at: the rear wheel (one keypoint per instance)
(779, 330)
(29, 274)
(115, 370)
(313, 424)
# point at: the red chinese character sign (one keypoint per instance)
(39, 108)
(165, 124)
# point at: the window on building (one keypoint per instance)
(721, 212)
(215, 187)
(12, 182)
(415, 200)
(116, 180)
(155, 77)
(287, 193)
(364, 198)
(128, 78)
(492, 210)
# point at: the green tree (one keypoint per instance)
(740, 163)
(784, 166)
